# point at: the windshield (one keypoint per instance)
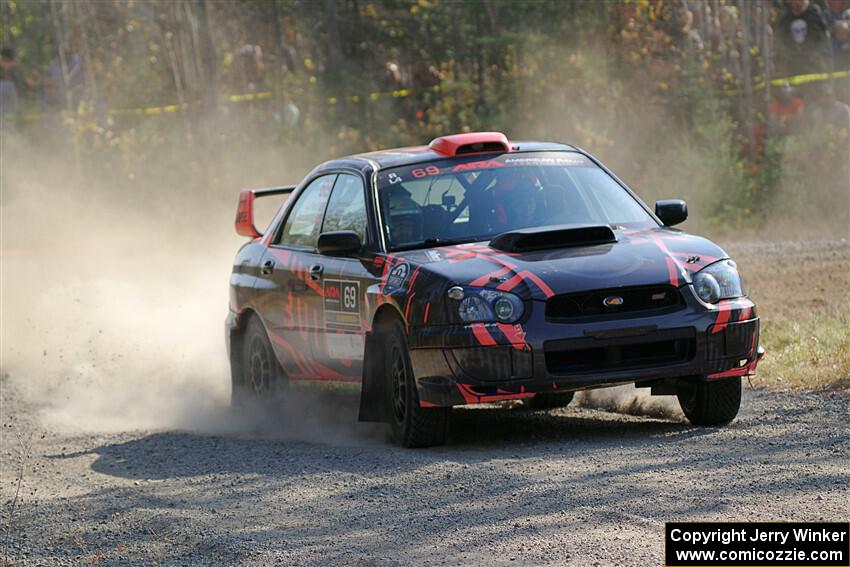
(476, 198)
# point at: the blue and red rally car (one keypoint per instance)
(477, 269)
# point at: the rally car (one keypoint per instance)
(478, 269)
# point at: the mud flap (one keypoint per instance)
(374, 394)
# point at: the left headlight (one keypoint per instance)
(480, 305)
(718, 281)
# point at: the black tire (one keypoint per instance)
(712, 403)
(549, 400)
(259, 377)
(412, 425)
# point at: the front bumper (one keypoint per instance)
(465, 364)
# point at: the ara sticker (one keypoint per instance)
(342, 304)
(474, 165)
(397, 276)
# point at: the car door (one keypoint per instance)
(290, 298)
(345, 282)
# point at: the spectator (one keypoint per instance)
(9, 83)
(251, 68)
(841, 41)
(787, 110)
(58, 81)
(835, 11)
(802, 42)
(841, 56)
(685, 33)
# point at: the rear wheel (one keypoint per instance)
(710, 403)
(549, 400)
(260, 377)
(412, 425)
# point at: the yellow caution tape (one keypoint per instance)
(793, 81)
(399, 93)
(810, 78)
(250, 96)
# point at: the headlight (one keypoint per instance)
(479, 305)
(718, 281)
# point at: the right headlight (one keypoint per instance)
(718, 281)
(481, 305)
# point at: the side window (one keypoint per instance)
(347, 207)
(302, 225)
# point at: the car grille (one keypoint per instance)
(639, 301)
(659, 348)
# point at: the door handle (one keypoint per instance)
(267, 268)
(316, 271)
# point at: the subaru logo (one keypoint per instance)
(612, 301)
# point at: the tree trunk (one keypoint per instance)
(749, 114)
(206, 55)
(335, 56)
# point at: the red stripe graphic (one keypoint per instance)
(413, 278)
(407, 307)
(471, 397)
(482, 334)
(672, 265)
(724, 311)
(730, 373)
(510, 284)
(292, 353)
(485, 279)
(547, 291)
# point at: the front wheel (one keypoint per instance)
(710, 403)
(412, 425)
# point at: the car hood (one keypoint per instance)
(638, 257)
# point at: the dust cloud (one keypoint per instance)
(113, 305)
(632, 401)
(115, 277)
(114, 295)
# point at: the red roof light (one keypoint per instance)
(471, 143)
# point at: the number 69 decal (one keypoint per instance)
(342, 296)
(423, 172)
(349, 297)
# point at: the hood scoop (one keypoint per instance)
(543, 238)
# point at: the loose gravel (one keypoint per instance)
(575, 486)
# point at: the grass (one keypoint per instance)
(811, 353)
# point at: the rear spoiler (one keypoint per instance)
(245, 209)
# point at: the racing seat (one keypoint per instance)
(435, 220)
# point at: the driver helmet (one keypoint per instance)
(516, 198)
(405, 217)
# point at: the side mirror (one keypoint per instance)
(339, 243)
(671, 211)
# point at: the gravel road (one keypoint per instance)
(575, 486)
(112, 453)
